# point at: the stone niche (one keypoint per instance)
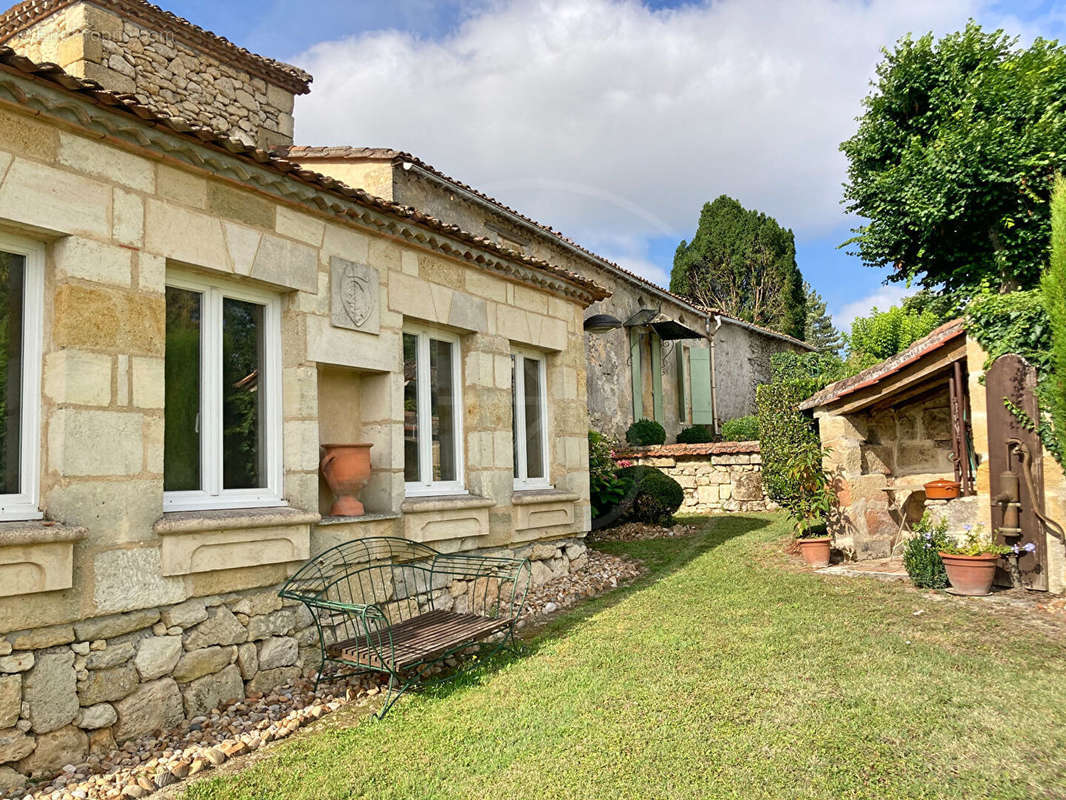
(355, 406)
(36, 557)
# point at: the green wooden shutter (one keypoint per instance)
(682, 399)
(657, 378)
(638, 382)
(700, 370)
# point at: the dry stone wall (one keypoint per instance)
(716, 477)
(69, 691)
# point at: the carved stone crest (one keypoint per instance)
(355, 293)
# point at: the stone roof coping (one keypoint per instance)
(703, 449)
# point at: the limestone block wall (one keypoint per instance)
(153, 58)
(716, 477)
(113, 217)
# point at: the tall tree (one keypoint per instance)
(743, 263)
(819, 329)
(954, 159)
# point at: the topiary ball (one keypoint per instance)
(697, 434)
(656, 496)
(645, 432)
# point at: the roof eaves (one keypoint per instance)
(133, 107)
(890, 366)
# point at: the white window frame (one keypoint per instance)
(430, 487)
(522, 481)
(24, 505)
(212, 496)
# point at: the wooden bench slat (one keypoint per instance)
(419, 638)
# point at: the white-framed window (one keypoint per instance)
(433, 412)
(21, 314)
(529, 404)
(222, 413)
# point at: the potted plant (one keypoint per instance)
(971, 565)
(810, 502)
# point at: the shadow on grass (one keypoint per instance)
(660, 557)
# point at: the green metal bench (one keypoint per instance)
(386, 605)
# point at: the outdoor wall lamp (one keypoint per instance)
(602, 323)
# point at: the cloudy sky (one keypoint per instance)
(615, 120)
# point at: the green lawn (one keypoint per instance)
(723, 673)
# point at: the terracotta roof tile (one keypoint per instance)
(310, 153)
(868, 377)
(129, 104)
(21, 16)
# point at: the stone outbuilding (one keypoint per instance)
(186, 319)
(936, 411)
(664, 358)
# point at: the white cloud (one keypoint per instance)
(883, 299)
(607, 119)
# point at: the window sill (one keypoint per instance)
(443, 502)
(206, 541)
(173, 522)
(325, 521)
(525, 497)
(37, 557)
(38, 532)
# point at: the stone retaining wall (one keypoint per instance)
(68, 691)
(716, 477)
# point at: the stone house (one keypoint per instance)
(935, 412)
(669, 360)
(186, 318)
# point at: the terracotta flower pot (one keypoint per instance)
(970, 575)
(346, 468)
(815, 551)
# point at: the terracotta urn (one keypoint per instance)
(346, 468)
(815, 551)
(970, 575)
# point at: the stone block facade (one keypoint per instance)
(120, 614)
(716, 477)
(632, 373)
(134, 48)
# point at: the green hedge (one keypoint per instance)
(784, 431)
(741, 429)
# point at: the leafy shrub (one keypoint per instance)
(645, 432)
(741, 429)
(697, 434)
(1054, 290)
(809, 371)
(784, 432)
(921, 555)
(656, 496)
(605, 487)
